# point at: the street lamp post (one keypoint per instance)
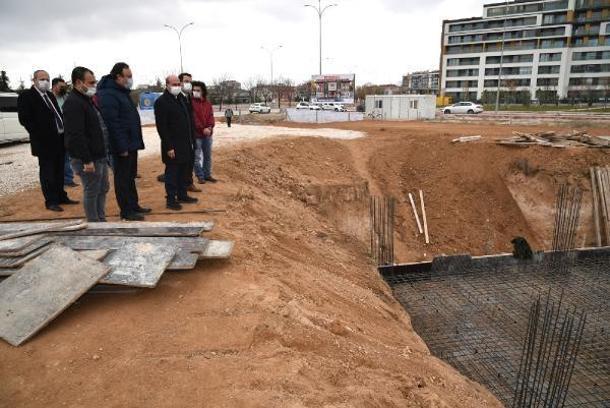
(320, 11)
(271, 51)
(179, 33)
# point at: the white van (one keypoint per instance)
(10, 129)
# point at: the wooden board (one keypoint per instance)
(218, 250)
(206, 225)
(184, 261)
(42, 289)
(138, 264)
(139, 232)
(185, 246)
(7, 263)
(22, 226)
(22, 246)
(97, 255)
(37, 228)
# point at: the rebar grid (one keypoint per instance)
(567, 214)
(475, 317)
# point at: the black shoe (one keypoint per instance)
(132, 217)
(142, 210)
(211, 179)
(188, 200)
(67, 201)
(174, 206)
(71, 184)
(54, 207)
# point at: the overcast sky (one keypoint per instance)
(379, 40)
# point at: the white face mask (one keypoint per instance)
(43, 85)
(175, 90)
(187, 87)
(197, 94)
(129, 83)
(91, 91)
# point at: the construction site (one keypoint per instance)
(443, 263)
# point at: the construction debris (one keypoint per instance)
(575, 138)
(466, 139)
(423, 211)
(382, 229)
(44, 288)
(49, 265)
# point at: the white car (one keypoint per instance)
(303, 105)
(314, 106)
(331, 106)
(463, 107)
(10, 129)
(259, 108)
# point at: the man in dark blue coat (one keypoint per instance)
(125, 130)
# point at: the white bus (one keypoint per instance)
(11, 130)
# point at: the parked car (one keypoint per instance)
(463, 107)
(314, 106)
(332, 106)
(259, 108)
(10, 129)
(303, 105)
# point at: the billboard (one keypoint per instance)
(334, 88)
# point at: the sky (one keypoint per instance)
(378, 40)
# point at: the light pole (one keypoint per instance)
(501, 58)
(271, 51)
(320, 12)
(179, 33)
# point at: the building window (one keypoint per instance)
(550, 57)
(547, 81)
(414, 104)
(379, 104)
(549, 69)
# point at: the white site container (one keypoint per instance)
(400, 107)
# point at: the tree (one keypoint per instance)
(220, 89)
(4, 82)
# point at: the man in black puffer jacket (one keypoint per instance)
(86, 140)
(125, 130)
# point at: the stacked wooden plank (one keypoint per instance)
(575, 138)
(34, 257)
(600, 187)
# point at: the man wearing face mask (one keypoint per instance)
(60, 90)
(87, 143)
(40, 114)
(123, 120)
(175, 128)
(186, 81)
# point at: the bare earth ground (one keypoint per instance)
(299, 316)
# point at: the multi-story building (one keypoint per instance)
(544, 47)
(422, 83)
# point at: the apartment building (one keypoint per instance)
(539, 48)
(421, 83)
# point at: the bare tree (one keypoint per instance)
(221, 89)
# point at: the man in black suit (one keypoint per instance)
(40, 114)
(175, 128)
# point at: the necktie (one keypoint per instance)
(58, 121)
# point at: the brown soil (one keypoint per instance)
(299, 316)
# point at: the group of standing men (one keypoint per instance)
(98, 126)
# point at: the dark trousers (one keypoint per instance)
(229, 119)
(175, 176)
(52, 179)
(125, 171)
(188, 172)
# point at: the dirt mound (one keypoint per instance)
(299, 317)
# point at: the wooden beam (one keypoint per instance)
(423, 211)
(421, 231)
(595, 197)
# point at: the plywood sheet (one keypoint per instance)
(185, 246)
(44, 288)
(22, 246)
(138, 264)
(218, 250)
(7, 263)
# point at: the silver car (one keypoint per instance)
(463, 107)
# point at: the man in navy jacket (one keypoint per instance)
(125, 130)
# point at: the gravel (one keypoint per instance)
(19, 169)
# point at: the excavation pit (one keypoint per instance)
(473, 313)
